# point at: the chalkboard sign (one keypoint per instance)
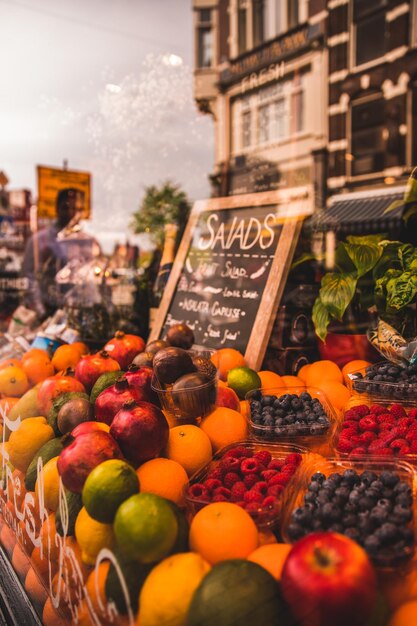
(231, 269)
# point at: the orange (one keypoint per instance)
(271, 557)
(35, 351)
(81, 347)
(10, 363)
(37, 367)
(270, 380)
(20, 561)
(96, 586)
(6, 404)
(321, 371)
(223, 530)
(266, 536)
(245, 408)
(226, 359)
(189, 446)
(224, 426)
(7, 539)
(302, 372)
(66, 356)
(47, 537)
(35, 589)
(51, 617)
(358, 365)
(13, 381)
(41, 565)
(336, 393)
(292, 381)
(405, 615)
(164, 478)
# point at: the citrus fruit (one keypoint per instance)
(37, 367)
(20, 561)
(405, 615)
(237, 593)
(321, 371)
(163, 477)
(271, 557)
(269, 380)
(35, 588)
(242, 380)
(107, 486)
(24, 442)
(167, 592)
(96, 586)
(226, 359)
(34, 352)
(223, 530)
(224, 426)
(7, 539)
(10, 363)
(302, 372)
(357, 399)
(336, 393)
(66, 356)
(189, 446)
(92, 536)
(265, 537)
(50, 616)
(146, 527)
(13, 381)
(47, 536)
(358, 365)
(81, 347)
(292, 381)
(6, 404)
(50, 484)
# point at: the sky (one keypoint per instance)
(106, 85)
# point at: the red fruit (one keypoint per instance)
(198, 491)
(264, 457)
(377, 409)
(346, 435)
(212, 483)
(141, 430)
(387, 425)
(382, 417)
(238, 452)
(404, 451)
(368, 436)
(219, 498)
(397, 410)
(92, 366)
(405, 422)
(251, 507)
(217, 473)
(228, 398)
(230, 478)
(275, 464)
(253, 496)
(345, 445)
(384, 452)
(275, 490)
(356, 440)
(356, 412)
(250, 466)
(368, 423)
(261, 486)
(279, 479)
(238, 491)
(358, 451)
(113, 398)
(222, 491)
(268, 474)
(413, 413)
(229, 464)
(413, 446)
(294, 458)
(330, 577)
(397, 444)
(268, 502)
(123, 348)
(140, 378)
(250, 480)
(350, 425)
(88, 427)
(83, 454)
(55, 386)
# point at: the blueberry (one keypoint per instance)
(387, 493)
(385, 503)
(318, 477)
(389, 479)
(279, 413)
(407, 534)
(329, 484)
(368, 477)
(310, 498)
(352, 532)
(295, 531)
(354, 497)
(351, 476)
(402, 487)
(305, 396)
(302, 516)
(330, 512)
(402, 513)
(404, 499)
(280, 431)
(311, 417)
(342, 492)
(336, 528)
(317, 408)
(335, 478)
(269, 421)
(317, 429)
(268, 400)
(350, 519)
(387, 533)
(365, 503)
(317, 524)
(277, 403)
(379, 515)
(323, 497)
(372, 544)
(314, 487)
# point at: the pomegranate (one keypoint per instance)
(82, 455)
(141, 431)
(140, 378)
(92, 366)
(88, 427)
(123, 348)
(113, 398)
(54, 386)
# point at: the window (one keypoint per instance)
(263, 124)
(258, 8)
(205, 39)
(370, 30)
(293, 13)
(241, 27)
(246, 129)
(280, 125)
(368, 137)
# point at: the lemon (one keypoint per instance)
(146, 527)
(242, 380)
(24, 442)
(50, 479)
(106, 487)
(92, 536)
(167, 592)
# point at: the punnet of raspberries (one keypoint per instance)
(378, 431)
(252, 479)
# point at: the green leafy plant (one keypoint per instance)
(370, 271)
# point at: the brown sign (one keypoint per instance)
(51, 181)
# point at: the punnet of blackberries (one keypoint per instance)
(288, 415)
(373, 509)
(387, 379)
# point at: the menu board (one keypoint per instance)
(231, 268)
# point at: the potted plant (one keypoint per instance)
(370, 274)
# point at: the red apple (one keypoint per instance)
(54, 386)
(113, 398)
(328, 580)
(141, 430)
(83, 454)
(228, 398)
(92, 366)
(88, 427)
(123, 348)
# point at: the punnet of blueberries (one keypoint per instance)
(376, 510)
(288, 415)
(387, 380)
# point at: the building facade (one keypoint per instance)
(308, 91)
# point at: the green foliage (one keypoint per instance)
(167, 204)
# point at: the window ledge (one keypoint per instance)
(294, 139)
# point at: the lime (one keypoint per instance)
(146, 527)
(242, 380)
(106, 487)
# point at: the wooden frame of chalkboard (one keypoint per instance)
(280, 212)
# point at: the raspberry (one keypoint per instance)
(397, 444)
(216, 474)
(279, 479)
(294, 458)
(348, 434)
(384, 452)
(268, 502)
(261, 486)
(230, 479)
(367, 437)
(359, 450)
(238, 452)
(198, 491)
(275, 464)
(377, 409)
(387, 425)
(356, 440)
(253, 496)
(413, 414)
(382, 417)
(412, 434)
(219, 498)
(268, 474)
(350, 425)
(250, 466)
(289, 469)
(250, 480)
(212, 483)
(376, 445)
(368, 423)
(405, 422)
(413, 446)
(404, 451)
(252, 507)
(230, 464)
(238, 490)
(275, 490)
(222, 491)
(356, 412)
(263, 456)
(397, 410)
(345, 445)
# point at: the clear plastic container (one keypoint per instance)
(382, 390)
(320, 441)
(385, 558)
(265, 516)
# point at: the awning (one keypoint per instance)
(361, 212)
